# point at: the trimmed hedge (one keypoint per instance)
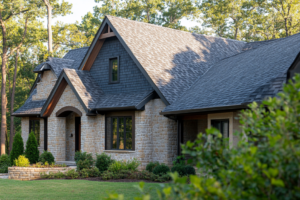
(151, 165)
(46, 157)
(17, 148)
(103, 161)
(32, 152)
(161, 169)
(4, 163)
(84, 160)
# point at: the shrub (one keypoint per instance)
(22, 161)
(59, 175)
(180, 169)
(151, 165)
(4, 163)
(31, 151)
(133, 164)
(179, 160)
(72, 174)
(46, 156)
(117, 166)
(83, 160)
(161, 169)
(93, 172)
(103, 161)
(190, 170)
(107, 175)
(17, 148)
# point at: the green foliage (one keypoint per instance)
(117, 166)
(180, 169)
(161, 169)
(17, 149)
(190, 170)
(151, 165)
(4, 163)
(133, 164)
(92, 172)
(84, 160)
(46, 156)
(22, 161)
(72, 174)
(32, 152)
(59, 175)
(103, 161)
(107, 175)
(123, 165)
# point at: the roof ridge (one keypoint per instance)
(187, 32)
(78, 48)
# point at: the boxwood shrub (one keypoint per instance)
(161, 169)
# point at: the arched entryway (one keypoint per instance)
(73, 130)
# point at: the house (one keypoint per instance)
(140, 90)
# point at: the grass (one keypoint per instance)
(70, 189)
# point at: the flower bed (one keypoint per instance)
(32, 173)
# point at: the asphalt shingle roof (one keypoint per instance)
(251, 75)
(30, 107)
(94, 98)
(173, 59)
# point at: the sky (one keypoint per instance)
(81, 7)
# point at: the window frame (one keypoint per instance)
(30, 125)
(110, 69)
(221, 131)
(119, 115)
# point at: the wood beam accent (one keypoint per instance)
(194, 117)
(55, 98)
(107, 35)
(93, 55)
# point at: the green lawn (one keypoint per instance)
(69, 189)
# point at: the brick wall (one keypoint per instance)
(131, 78)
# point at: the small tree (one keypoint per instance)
(17, 149)
(32, 152)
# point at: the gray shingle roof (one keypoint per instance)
(94, 98)
(71, 60)
(122, 100)
(30, 107)
(173, 59)
(251, 75)
(86, 88)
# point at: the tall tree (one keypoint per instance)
(9, 10)
(54, 9)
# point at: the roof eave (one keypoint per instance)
(201, 110)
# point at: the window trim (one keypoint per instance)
(121, 114)
(220, 116)
(110, 69)
(39, 120)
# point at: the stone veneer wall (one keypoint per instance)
(32, 173)
(45, 86)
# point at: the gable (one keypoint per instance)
(131, 78)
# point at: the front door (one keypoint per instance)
(77, 133)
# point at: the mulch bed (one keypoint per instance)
(111, 180)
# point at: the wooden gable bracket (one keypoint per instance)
(97, 48)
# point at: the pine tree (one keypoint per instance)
(17, 148)
(32, 152)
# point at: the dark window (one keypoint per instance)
(114, 70)
(34, 126)
(222, 126)
(119, 133)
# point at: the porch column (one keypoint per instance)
(57, 137)
(179, 135)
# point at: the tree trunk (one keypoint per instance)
(49, 17)
(12, 127)
(3, 88)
